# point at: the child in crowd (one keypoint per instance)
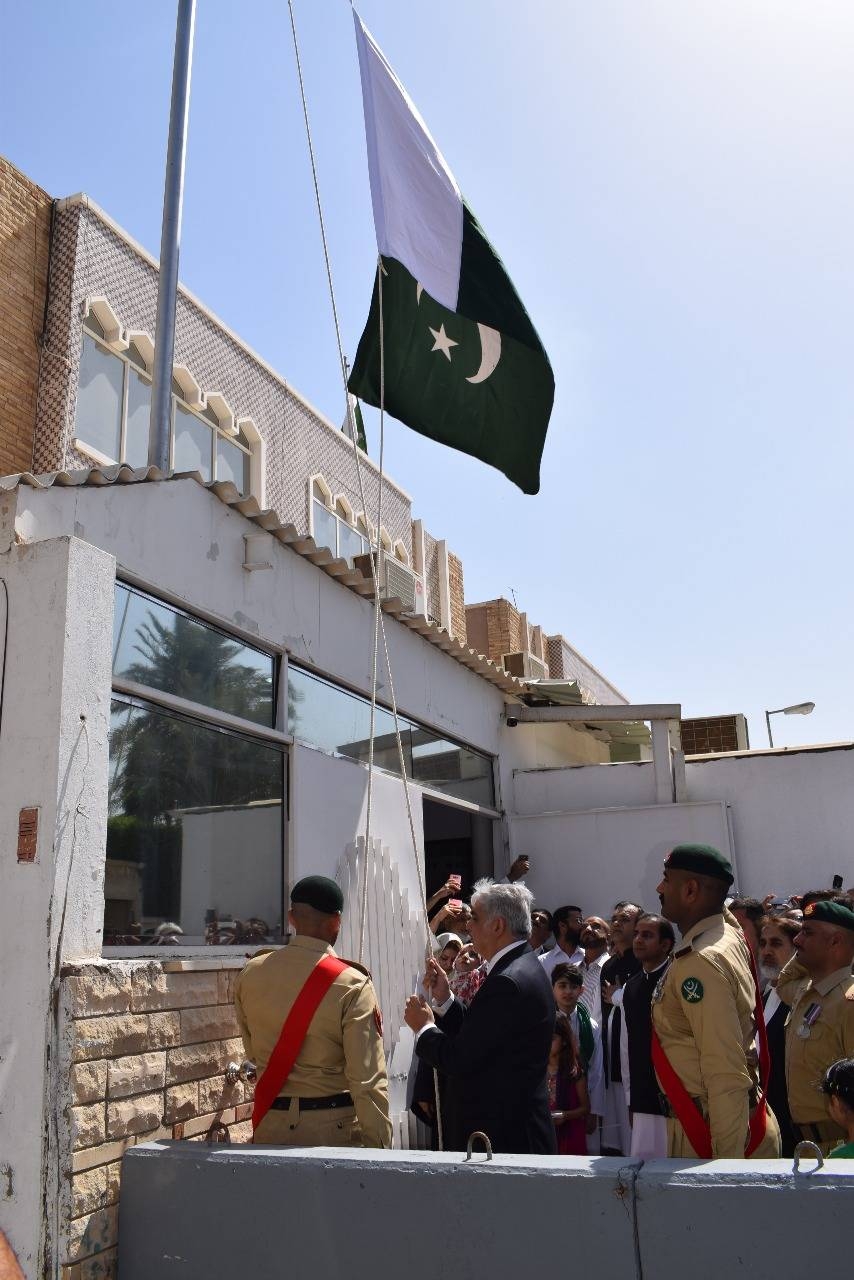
(838, 1084)
(568, 1100)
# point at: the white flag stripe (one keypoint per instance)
(418, 208)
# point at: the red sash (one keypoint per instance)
(293, 1033)
(682, 1104)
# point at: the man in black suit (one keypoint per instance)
(776, 947)
(495, 1053)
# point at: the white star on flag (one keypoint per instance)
(441, 341)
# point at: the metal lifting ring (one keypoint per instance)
(478, 1133)
(805, 1149)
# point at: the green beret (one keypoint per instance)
(319, 892)
(830, 913)
(702, 859)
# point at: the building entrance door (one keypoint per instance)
(456, 841)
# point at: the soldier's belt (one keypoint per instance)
(328, 1103)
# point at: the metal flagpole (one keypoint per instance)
(170, 240)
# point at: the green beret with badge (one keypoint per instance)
(826, 912)
(702, 859)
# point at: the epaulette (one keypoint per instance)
(354, 964)
(683, 951)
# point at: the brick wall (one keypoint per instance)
(24, 234)
(499, 624)
(458, 602)
(147, 1051)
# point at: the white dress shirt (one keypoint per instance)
(557, 956)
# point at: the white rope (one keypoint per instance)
(379, 620)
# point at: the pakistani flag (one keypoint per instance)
(462, 362)
(354, 424)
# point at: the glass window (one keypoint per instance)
(138, 422)
(340, 722)
(325, 527)
(326, 716)
(232, 464)
(192, 442)
(447, 766)
(194, 832)
(350, 542)
(165, 649)
(99, 399)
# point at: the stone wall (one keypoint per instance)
(24, 237)
(146, 1050)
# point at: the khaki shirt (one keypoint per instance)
(343, 1048)
(703, 1012)
(810, 1050)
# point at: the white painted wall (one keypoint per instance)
(53, 756)
(584, 787)
(596, 857)
(792, 815)
(328, 806)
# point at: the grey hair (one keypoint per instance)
(512, 902)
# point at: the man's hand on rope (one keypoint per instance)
(417, 1013)
(436, 982)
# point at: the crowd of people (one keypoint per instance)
(736, 1011)
(714, 1026)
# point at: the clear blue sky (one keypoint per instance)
(671, 187)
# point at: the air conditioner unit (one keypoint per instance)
(525, 666)
(396, 580)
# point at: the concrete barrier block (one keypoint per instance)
(742, 1218)
(192, 1211)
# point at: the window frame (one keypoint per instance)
(144, 371)
(209, 717)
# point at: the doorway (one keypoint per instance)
(456, 842)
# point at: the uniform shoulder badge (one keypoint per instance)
(378, 1020)
(354, 964)
(692, 990)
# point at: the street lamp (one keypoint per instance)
(799, 709)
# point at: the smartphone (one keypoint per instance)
(837, 882)
(456, 881)
(455, 903)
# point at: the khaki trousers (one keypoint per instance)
(335, 1127)
(679, 1148)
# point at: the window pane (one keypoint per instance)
(337, 721)
(194, 833)
(350, 543)
(99, 399)
(447, 766)
(157, 646)
(324, 527)
(138, 420)
(232, 464)
(192, 443)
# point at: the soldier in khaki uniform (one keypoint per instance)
(337, 1091)
(703, 1010)
(820, 1025)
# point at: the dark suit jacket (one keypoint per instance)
(495, 1055)
(778, 1098)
